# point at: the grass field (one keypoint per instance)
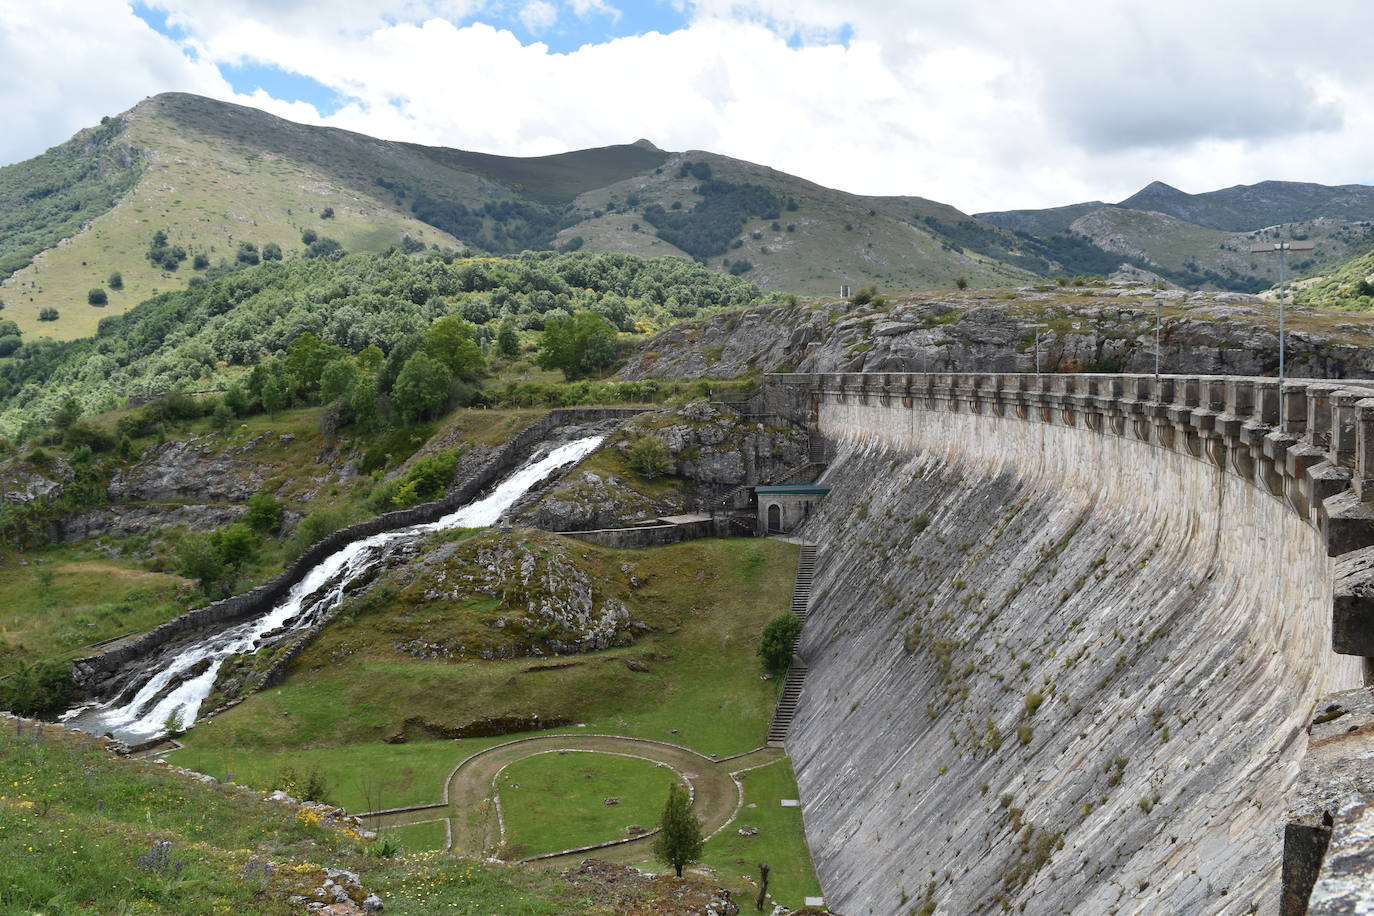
(557, 801)
(350, 689)
(60, 600)
(780, 842)
(74, 823)
(419, 837)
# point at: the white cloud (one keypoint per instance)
(584, 9)
(68, 63)
(538, 15)
(990, 105)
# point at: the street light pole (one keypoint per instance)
(1282, 248)
(1159, 320)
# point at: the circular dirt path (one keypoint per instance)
(471, 805)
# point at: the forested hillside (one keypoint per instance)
(206, 337)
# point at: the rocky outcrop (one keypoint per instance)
(585, 500)
(530, 593)
(131, 520)
(711, 448)
(1109, 329)
(195, 469)
(21, 485)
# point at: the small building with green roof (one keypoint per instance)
(784, 507)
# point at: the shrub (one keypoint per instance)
(327, 213)
(865, 296)
(264, 513)
(318, 525)
(648, 457)
(44, 689)
(961, 282)
(198, 559)
(87, 435)
(775, 647)
(97, 296)
(116, 280)
(47, 314)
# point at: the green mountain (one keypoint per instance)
(1205, 239)
(1244, 208)
(213, 177)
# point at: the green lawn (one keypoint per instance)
(780, 842)
(74, 822)
(557, 800)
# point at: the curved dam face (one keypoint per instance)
(1056, 666)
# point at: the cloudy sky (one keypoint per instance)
(984, 104)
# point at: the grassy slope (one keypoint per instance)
(1336, 288)
(702, 689)
(557, 801)
(1172, 243)
(210, 193)
(74, 821)
(99, 598)
(558, 178)
(47, 198)
(817, 257)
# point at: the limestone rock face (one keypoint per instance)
(586, 500)
(122, 521)
(1104, 329)
(189, 469)
(521, 593)
(1052, 671)
(711, 448)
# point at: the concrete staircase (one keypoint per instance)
(796, 673)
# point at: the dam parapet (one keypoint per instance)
(1069, 635)
(1310, 445)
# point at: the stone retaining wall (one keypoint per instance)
(654, 535)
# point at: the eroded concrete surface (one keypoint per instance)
(1053, 671)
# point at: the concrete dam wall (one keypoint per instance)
(1067, 634)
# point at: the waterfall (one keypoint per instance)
(192, 672)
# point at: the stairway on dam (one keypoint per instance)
(1068, 635)
(796, 672)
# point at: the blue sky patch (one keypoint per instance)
(571, 32)
(157, 21)
(247, 78)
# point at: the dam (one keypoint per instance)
(1068, 635)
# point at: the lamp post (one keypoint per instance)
(1282, 248)
(1159, 321)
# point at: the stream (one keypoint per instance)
(192, 671)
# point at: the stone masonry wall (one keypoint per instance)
(1053, 669)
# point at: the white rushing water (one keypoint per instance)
(150, 710)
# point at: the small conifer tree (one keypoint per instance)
(679, 838)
